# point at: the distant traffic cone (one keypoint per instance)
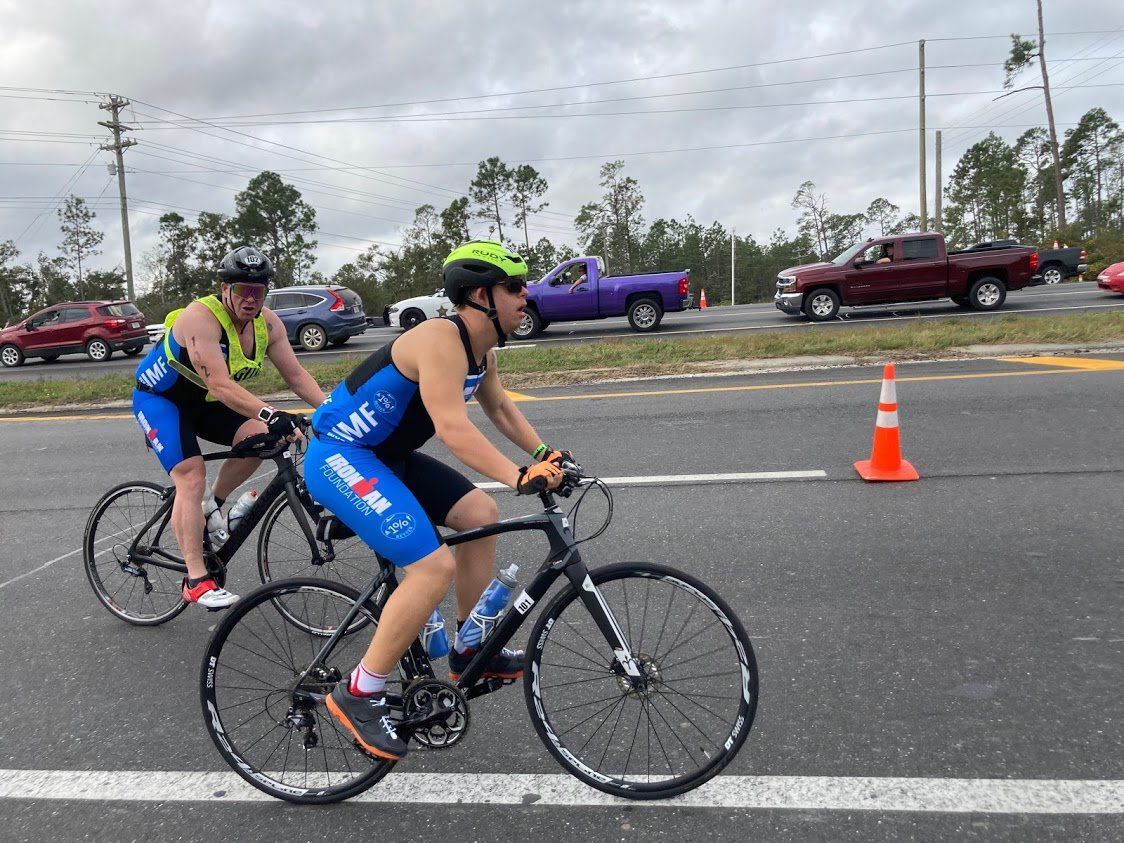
(886, 461)
(702, 300)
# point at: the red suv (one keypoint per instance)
(95, 328)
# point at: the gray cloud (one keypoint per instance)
(220, 59)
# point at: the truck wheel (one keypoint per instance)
(531, 326)
(1053, 274)
(987, 294)
(821, 305)
(645, 315)
(411, 318)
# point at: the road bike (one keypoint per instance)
(639, 679)
(136, 569)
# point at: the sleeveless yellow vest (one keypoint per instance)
(238, 364)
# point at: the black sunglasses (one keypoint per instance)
(514, 285)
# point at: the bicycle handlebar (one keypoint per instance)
(267, 445)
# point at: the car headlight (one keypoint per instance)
(787, 284)
(392, 309)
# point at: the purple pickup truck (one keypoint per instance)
(579, 289)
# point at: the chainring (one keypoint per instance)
(426, 693)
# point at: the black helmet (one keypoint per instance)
(479, 263)
(246, 264)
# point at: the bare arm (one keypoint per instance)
(199, 331)
(499, 407)
(281, 355)
(442, 392)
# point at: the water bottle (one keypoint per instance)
(433, 636)
(216, 523)
(240, 508)
(488, 608)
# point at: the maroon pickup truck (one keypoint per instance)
(907, 268)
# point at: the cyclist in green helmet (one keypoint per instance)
(364, 466)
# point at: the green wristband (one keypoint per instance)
(539, 451)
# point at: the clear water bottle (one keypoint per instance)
(488, 608)
(240, 508)
(216, 522)
(433, 636)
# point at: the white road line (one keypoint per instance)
(991, 796)
(691, 479)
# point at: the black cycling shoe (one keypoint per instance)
(506, 664)
(368, 721)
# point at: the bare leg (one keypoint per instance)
(476, 561)
(234, 473)
(424, 584)
(187, 513)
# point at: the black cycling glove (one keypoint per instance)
(282, 423)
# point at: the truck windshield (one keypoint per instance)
(848, 255)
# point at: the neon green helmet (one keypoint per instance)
(479, 263)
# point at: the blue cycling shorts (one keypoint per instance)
(393, 507)
(171, 429)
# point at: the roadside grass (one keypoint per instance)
(638, 357)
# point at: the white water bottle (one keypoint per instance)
(216, 523)
(240, 508)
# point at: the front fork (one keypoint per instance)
(603, 616)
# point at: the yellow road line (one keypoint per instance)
(518, 396)
(1089, 364)
(699, 390)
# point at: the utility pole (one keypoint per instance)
(733, 251)
(1050, 120)
(921, 128)
(118, 146)
(937, 186)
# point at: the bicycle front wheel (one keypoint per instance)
(274, 733)
(672, 731)
(284, 550)
(139, 593)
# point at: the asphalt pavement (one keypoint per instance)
(1083, 297)
(966, 627)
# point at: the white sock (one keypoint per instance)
(367, 684)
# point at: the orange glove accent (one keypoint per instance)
(537, 477)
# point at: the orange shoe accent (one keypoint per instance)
(702, 300)
(886, 461)
(336, 713)
(489, 674)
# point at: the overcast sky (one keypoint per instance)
(223, 60)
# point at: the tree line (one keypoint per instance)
(995, 190)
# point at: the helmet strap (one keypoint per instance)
(491, 313)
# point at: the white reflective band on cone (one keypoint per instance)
(887, 418)
(889, 392)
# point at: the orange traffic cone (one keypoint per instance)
(886, 461)
(702, 300)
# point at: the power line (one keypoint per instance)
(648, 78)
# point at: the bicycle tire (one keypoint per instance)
(168, 585)
(549, 642)
(213, 693)
(283, 551)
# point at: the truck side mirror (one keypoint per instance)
(858, 264)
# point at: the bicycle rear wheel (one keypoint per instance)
(144, 595)
(281, 738)
(688, 718)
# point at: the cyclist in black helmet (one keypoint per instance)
(188, 386)
(365, 467)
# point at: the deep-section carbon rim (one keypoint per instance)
(288, 745)
(700, 696)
